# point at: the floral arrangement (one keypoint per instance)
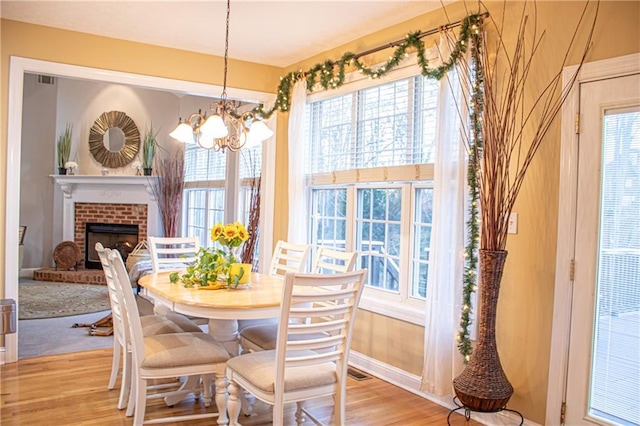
(212, 268)
(231, 235)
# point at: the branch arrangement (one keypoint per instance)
(167, 189)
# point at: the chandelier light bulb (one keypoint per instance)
(183, 133)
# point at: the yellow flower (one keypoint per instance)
(217, 231)
(242, 233)
(230, 232)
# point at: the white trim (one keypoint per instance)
(567, 195)
(411, 383)
(3, 356)
(18, 67)
(393, 309)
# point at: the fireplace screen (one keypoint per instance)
(120, 237)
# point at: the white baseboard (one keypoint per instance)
(27, 272)
(3, 356)
(411, 383)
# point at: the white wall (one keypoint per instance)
(82, 102)
(36, 163)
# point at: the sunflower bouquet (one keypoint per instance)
(213, 265)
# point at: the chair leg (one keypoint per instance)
(339, 411)
(207, 382)
(115, 364)
(234, 404)
(131, 404)
(141, 401)
(222, 397)
(125, 386)
(300, 412)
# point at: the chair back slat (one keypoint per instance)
(289, 257)
(114, 300)
(330, 302)
(172, 253)
(328, 261)
(131, 315)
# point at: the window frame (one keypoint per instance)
(402, 306)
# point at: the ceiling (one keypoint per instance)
(278, 33)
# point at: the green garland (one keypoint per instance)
(331, 75)
(469, 280)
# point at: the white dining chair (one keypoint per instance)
(151, 324)
(287, 257)
(172, 253)
(261, 337)
(305, 367)
(168, 356)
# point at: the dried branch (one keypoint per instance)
(253, 223)
(167, 188)
(512, 131)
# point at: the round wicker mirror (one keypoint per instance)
(109, 126)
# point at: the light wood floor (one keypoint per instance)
(71, 389)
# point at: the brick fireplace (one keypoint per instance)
(103, 199)
(108, 213)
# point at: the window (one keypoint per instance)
(206, 179)
(369, 167)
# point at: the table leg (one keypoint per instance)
(226, 332)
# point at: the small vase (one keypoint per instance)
(234, 271)
(62, 171)
(147, 171)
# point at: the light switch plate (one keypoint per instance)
(513, 224)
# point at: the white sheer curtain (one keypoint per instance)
(442, 362)
(297, 205)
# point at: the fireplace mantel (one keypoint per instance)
(105, 190)
(69, 183)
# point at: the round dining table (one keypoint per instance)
(260, 299)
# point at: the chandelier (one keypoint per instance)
(224, 128)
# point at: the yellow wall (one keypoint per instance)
(526, 302)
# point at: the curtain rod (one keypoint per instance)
(420, 35)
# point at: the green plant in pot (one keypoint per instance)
(149, 146)
(63, 148)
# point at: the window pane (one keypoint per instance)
(426, 102)
(204, 165)
(378, 240)
(421, 241)
(251, 162)
(382, 125)
(328, 227)
(615, 380)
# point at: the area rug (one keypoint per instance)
(40, 299)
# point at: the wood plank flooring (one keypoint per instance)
(71, 389)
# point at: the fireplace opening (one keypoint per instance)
(121, 237)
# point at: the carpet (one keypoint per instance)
(41, 299)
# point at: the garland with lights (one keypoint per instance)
(331, 74)
(469, 279)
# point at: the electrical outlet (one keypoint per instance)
(513, 224)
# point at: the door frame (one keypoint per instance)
(18, 66)
(565, 248)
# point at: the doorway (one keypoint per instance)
(595, 367)
(18, 67)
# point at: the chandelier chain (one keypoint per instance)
(226, 53)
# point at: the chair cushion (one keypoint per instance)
(168, 323)
(264, 336)
(259, 368)
(182, 349)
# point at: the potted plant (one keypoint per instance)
(149, 146)
(64, 149)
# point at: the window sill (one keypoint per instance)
(402, 312)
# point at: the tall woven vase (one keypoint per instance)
(482, 385)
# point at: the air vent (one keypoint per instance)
(46, 79)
